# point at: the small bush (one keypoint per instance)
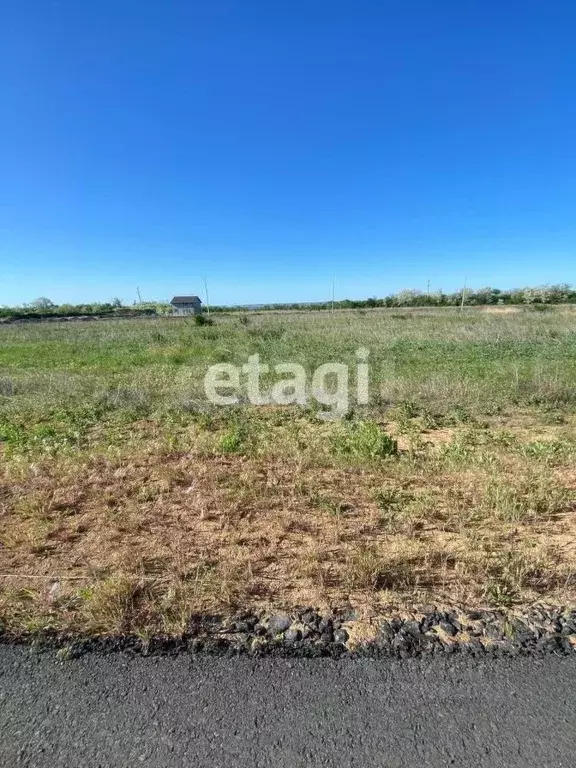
(365, 439)
(203, 320)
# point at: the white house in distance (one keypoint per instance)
(186, 305)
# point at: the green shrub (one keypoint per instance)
(203, 320)
(366, 439)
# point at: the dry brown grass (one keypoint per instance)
(127, 503)
(140, 540)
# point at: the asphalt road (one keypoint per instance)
(198, 711)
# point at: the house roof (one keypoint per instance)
(185, 300)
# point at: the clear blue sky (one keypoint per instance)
(266, 144)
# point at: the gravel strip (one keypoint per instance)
(309, 633)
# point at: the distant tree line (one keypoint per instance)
(563, 293)
(44, 309)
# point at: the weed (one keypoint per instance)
(235, 439)
(113, 603)
(388, 499)
(550, 452)
(459, 415)
(406, 409)
(551, 417)
(365, 439)
(429, 420)
(500, 595)
(363, 568)
(462, 448)
(334, 508)
(392, 511)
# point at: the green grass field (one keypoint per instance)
(129, 502)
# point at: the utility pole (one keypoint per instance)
(428, 288)
(139, 297)
(207, 297)
(463, 293)
(333, 281)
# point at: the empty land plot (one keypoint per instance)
(128, 502)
